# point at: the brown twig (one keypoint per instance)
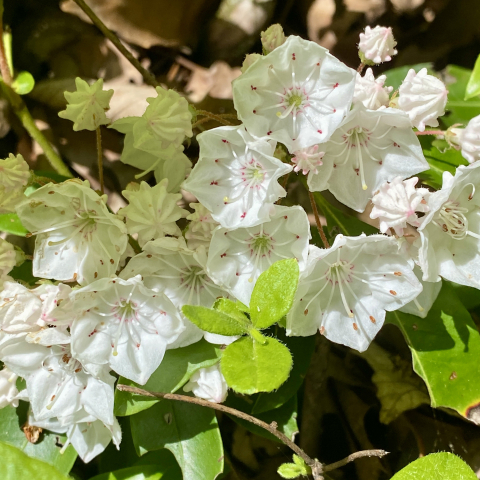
(219, 118)
(4, 68)
(354, 456)
(317, 220)
(431, 132)
(148, 77)
(360, 68)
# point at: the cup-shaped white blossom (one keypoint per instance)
(397, 203)
(77, 237)
(450, 231)
(347, 288)
(125, 325)
(423, 97)
(297, 95)
(14, 172)
(308, 160)
(371, 91)
(237, 258)
(201, 227)
(250, 59)
(367, 150)
(272, 38)
(208, 383)
(8, 388)
(236, 176)
(468, 139)
(377, 45)
(152, 212)
(7, 257)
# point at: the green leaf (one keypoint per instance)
(437, 466)
(46, 449)
(273, 294)
(395, 76)
(140, 472)
(16, 465)
(473, 85)
(176, 368)
(24, 273)
(189, 431)
(445, 349)
(23, 83)
(250, 367)
(233, 309)
(398, 388)
(214, 321)
(10, 223)
(293, 470)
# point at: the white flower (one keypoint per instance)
(7, 257)
(77, 238)
(297, 95)
(208, 383)
(14, 172)
(152, 212)
(9, 199)
(236, 176)
(450, 232)
(125, 325)
(370, 91)
(201, 227)
(237, 258)
(368, 149)
(347, 288)
(377, 45)
(397, 202)
(423, 97)
(272, 38)
(469, 139)
(250, 59)
(308, 159)
(180, 274)
(8, 389)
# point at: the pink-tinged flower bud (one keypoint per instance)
(377, 45)
(272, 38)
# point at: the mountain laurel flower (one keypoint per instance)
(370, 148)
(272, 38)
(308, 159)
(450, 231)
(125, 325)
(297, 95)
(87, 105)
(377, 45)
(423, 97)
(201, 227)
(209, 384)
(236, 176)
(249, 60)
(346, 289)
(468, 139)
(8, 389)
(152, 212)
(371, 91)
(77, 237)
(14, 172)
(7, 257)
(397, 203)
(236, 258)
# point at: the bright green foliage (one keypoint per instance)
(16, 465)
(190, 432)
(214, 321)
(141, 472)
(437, 466)
(176, 368)
(274, 291)
(86, 107)
(445, 350)
(23, 83)
(234, 309)
(10, 223)
(250, 367)
(473, 85)
(295, 469)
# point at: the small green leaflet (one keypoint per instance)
(10, 223)
(295, 469)
(140, 472)
(437, 466)
(473, 85)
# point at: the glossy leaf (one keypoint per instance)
(437, 466)
(190, 432)
(473, 85)
(10, 223)
(214, 321)
(250, 367)
(176, 368)
(445, 349)
(23, 83)
(16, 465)
(24, 273)
(140, 472)
(273, 294)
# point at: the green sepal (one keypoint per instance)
(23, 83)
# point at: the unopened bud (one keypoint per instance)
(377, 45)
(272, 38)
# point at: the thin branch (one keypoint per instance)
(148, 77)
(431, 132)
(354, 456)
(317, 220)
(100, 159)
(219, 118)
(4, 67)
(360, 68)
(272, 428)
